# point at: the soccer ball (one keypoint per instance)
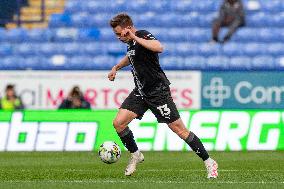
(109, 152)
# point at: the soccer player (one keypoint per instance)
(151, 91)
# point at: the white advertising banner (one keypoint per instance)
(47, 89)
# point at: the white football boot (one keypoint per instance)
(212, 168)
(135, 158)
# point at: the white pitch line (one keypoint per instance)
(220, 170)
(136, 181)
(166, 170)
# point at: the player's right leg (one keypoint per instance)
(196, 145)
(120, 123)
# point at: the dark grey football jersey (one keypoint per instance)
(146, 69)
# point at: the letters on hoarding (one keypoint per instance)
(243, 90)
(46, 90)
(86, 130)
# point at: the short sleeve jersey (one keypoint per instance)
(146, 68)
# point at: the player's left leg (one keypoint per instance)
(133, 107)
(120, 123)
(196, 145)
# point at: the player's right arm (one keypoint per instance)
(123, 62)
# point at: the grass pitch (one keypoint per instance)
(161, 170)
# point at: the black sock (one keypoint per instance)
(196, 145)
(127, 138)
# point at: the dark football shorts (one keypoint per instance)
(160, 102)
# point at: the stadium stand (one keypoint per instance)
(80, 38)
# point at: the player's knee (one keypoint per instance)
(118, 125)
(180, 132)
(115, 123)
(179, 129)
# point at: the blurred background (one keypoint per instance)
(75, 35)
(221, 55)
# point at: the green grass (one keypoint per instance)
(165, 170)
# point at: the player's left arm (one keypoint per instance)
(149, 42)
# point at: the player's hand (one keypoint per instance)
(112, 74)
(127, 33)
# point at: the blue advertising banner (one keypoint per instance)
(242, 90)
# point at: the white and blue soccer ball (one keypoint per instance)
(109, 152)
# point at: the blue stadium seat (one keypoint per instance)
(115, 6)
(233, 49)
(240, 63)
(6, 49)
(70, 49)
(137, 6)
(103, 62)
(275, 49)
(82, 35)
(93, 49)
(218, 63)
(88, 34)
(106, 34)
(144, 19)
(39, 35)
(271, 6)
(80, 19)
(279, 63)
(188, 19)
(195, 62)
(259, 19)
(172, 63)
(98, 20)
(204, 6)
(268, 35)
(207, 49)
(263, 63)
(49, 49)
(80, 62)
(32, 63)
(2, 34)
(198, 35)
(56, 62)
(254, 49)
(206, 20)
(246, 35)
(16, 35)
(277, 20)
(168, 20)
(186, 49)
(60, 20)
(115, 49)
(182, 6)
(95, 6)
(176, 35)
(73, 7)
(159, 6)
(12, 63)
(26, 49)
(65, 34)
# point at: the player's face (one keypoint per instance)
(118, 30)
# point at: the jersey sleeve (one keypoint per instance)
(146, 35)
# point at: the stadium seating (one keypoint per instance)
(80, 37)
